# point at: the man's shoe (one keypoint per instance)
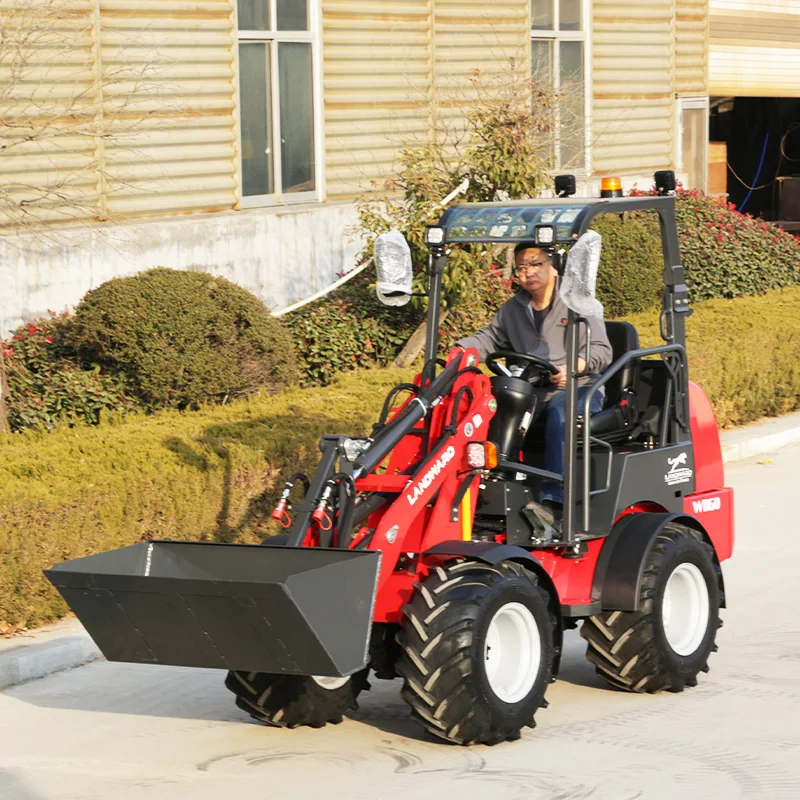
(556, 510)
(544, 525)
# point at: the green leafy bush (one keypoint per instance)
(212, 475)
(47, 386)
(346, 330)
(742, 352)
(179, 339)
(489, 290)
(725, 254)
(630, 277)
(728, 254)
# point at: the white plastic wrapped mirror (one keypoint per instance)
(577, 286)
(393, 264)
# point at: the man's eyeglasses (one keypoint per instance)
(529, 267)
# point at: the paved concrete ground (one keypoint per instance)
(123, 731)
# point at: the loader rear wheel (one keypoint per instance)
(665, 644)
(477, 651)
(289, 701)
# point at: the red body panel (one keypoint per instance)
(572, 577)
(709, 473)
(714, 511)
(712, 502)
(422, 516)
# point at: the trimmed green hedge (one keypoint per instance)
(182, 475)
(204, 476)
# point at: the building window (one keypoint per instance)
(277, 100)
(693, 141)
(559, 60)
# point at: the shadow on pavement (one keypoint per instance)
(575, 668)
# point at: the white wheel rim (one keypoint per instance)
(329, 683)
(513, 652)
(685, 609)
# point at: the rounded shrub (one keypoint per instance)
(179, 339)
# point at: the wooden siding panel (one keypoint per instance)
(376, 66)
(633, 62)
(172, 68)
(48, 104)
(755, 48)
(691, 47)
(388, 65)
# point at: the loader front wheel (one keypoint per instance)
(290, 701)
(478, 651)
(667, 642)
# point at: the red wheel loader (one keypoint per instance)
(420, 551)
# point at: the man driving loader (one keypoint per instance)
(534, 321)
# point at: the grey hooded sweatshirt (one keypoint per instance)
(513, 328)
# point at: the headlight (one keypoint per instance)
(434, 235)
(476, 455)
(482, 455)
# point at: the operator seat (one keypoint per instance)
(620, 414)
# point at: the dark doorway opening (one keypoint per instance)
(762, 137)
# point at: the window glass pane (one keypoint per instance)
(542, 15)
(569, 15)
(542, 73)
(542, 61)
(297, 117)
(571, 106)
(254, 88)
(254, 15)
(292, 15)
(695, 135)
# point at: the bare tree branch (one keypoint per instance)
(66, 112)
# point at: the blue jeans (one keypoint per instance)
(555, 426)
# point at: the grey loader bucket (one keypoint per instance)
(303, 610)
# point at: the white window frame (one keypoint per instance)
(558, 36)
(313, 36)
(685, 104)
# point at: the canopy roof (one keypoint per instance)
(517, 220)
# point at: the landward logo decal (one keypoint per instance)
(678, 471)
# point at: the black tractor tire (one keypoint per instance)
(445, 652)
(290, 701)
(630, 650)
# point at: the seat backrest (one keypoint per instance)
(623, 338)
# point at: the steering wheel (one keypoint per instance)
(536, 366)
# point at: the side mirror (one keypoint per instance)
(393, 264)
(578, 283)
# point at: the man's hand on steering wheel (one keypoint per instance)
(537, 368)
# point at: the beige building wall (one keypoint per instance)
(388, 65)
(755, 48)
(633, 64)
(645, 57)
(129, 105)
(691, 47)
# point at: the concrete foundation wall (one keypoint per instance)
(280, 255)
